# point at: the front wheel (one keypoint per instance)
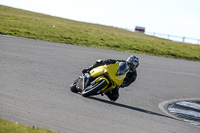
(73, 87)
(93, 89)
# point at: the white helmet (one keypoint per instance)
(133, 62)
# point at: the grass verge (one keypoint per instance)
(16, 22)
(13, 127)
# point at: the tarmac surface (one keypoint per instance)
(34, 89)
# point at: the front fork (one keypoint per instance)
(87, 79)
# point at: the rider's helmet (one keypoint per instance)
(133, 62)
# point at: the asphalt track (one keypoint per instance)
(34, 90)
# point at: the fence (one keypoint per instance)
(175, 38)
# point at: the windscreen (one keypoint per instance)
(122, 69)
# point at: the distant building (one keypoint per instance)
(140, 29)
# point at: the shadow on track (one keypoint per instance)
(130, 107)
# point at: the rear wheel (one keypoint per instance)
(93, 89)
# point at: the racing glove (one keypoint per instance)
(85, 71)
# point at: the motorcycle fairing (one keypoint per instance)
(111, 72)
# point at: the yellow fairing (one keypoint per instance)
(110, 71)
(98, 71)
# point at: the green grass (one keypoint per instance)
(27, 24)
(11, 127)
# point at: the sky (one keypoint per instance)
(170, 17)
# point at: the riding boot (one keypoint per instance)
(113, 95)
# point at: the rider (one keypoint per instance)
(132, 62)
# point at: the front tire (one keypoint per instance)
(93, 89)
(73, 87)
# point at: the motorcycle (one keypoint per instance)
(100, 79)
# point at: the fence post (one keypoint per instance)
(183, 39)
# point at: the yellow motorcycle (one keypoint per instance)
(100, 79)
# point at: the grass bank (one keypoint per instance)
(13, 127)
(27, 24)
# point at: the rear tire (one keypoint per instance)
(92, 90)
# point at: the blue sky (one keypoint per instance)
(174, 17)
